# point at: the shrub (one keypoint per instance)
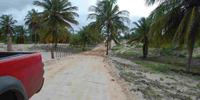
(197, 57)
(182, 55)
(167, 51)
(139, 46)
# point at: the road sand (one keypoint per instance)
(84, 76)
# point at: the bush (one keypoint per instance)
(182, 55)
(197, 57)
(139, 46)
(167, 51)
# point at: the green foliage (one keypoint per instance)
(7, 25)
(180, 72)
(161, 79)
(172, 24)
(160, 68)
(139, 46)
(167, 51)
(118, 47)
(20, 33)
(182, 55)
(198, 86)
(196, 45)
(84, 36)
(20, 40)
(55, 20)
(197, 57)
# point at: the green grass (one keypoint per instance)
(160, 68)
(118, 47)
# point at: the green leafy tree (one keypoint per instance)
(20, 33)
(7, 24)
(177, 21)
(108, 16)
(141, 34)
(57, 13)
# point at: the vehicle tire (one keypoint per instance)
(8, 96)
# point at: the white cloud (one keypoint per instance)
(19, 9)
(136, 7)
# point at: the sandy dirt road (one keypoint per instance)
(84, 76)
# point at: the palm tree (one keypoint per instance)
(32, 22)
(57, 13)
(141, 34)
(84, 37)
(49, 36)
(20, 32)
(7, 26)
(177, 20)
(108, 16)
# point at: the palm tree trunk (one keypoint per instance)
(9, 47)
(35, 37)
(144, 50)
(145, 47)
(107, 39)
(83, 46)
(52, 49)
(190, 52)
(193, 32)
(56, 32)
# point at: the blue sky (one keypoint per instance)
(19, 9)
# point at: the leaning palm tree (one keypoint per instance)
(141, 34)
(32, 23)
(108, 16)
(177, 21)
(57, 13)
(7, 26)
(20, 32)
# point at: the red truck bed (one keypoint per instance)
(27, 68)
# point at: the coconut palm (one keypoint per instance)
(32, 23)
(85, 36)
(57, 13)
(7, 26)
(48, 36)
(108, 16)
(141, 34)
(177, 20)
(20, 33)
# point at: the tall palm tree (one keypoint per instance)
(177, 20)
(108, 16)
(31, 21)
(7, 25)
(58, 12)
(141, 34)
(20, 32)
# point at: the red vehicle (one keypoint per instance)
(21, 75)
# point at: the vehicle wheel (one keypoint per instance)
(8, 96)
